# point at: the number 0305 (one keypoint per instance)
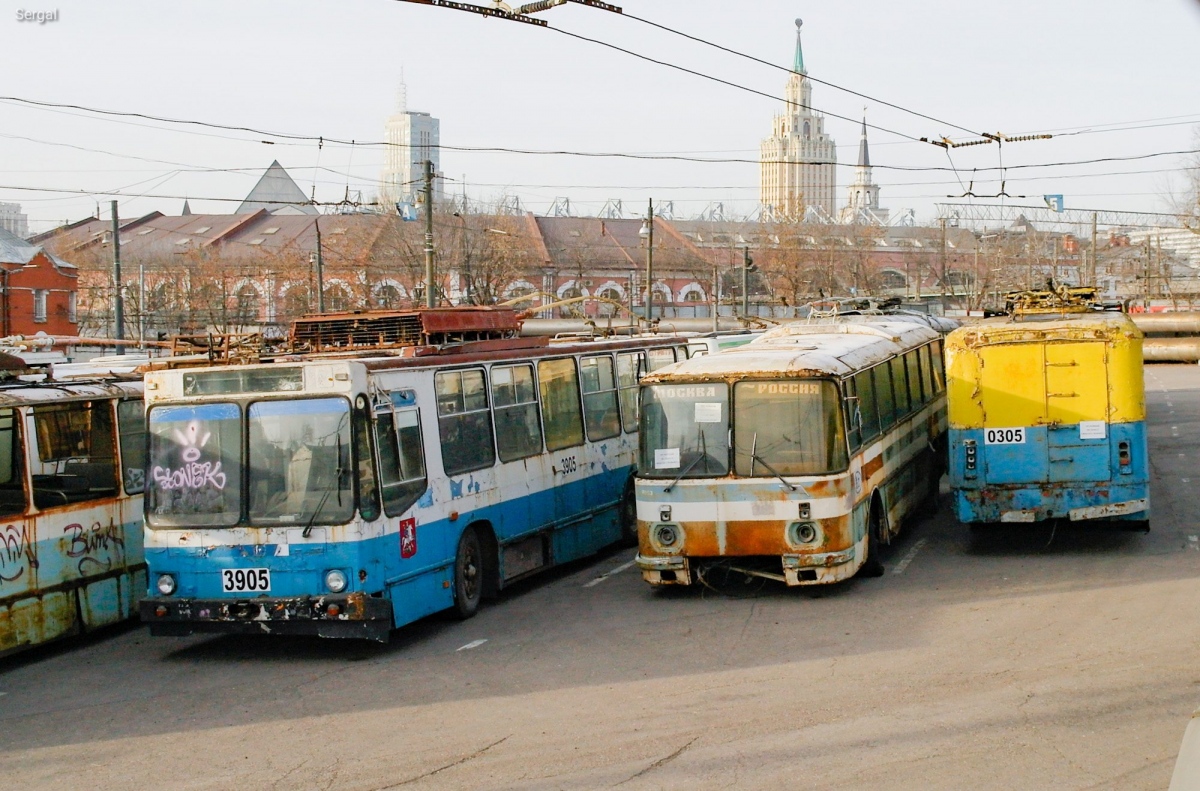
(1004, 436)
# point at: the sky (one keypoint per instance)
(1109, 79)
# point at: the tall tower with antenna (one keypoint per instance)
(798, 162)
(412, 138)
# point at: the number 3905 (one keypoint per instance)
(245, 580)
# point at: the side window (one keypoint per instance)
(12, 489)
(561, 413)
(514, 399)
(464, 421)
(364, 463)
(696, 350)
(868, 405)
(627, 389)
(600, 411)
(926, 374)
(401, 459)
(939, 367)
(853, 415)
(660, 358)
(899, 385)
(131, 424)
(73, 453)
(914, 379)
(882, 376)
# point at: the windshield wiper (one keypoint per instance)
(695, 461)
(755, 457)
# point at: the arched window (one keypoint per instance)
(387, 296)
(296, 301)
(337, 298)
(247, 304)
(890, 278)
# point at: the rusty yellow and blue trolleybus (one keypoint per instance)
(72, 468)
(794, 457)
(1048, 416)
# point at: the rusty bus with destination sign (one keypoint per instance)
(795, 458)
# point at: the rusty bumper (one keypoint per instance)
(352, 615)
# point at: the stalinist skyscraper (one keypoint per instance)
(797, 163)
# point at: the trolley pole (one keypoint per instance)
(430, 298)
(118, 299)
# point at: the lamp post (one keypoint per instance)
(647, 233)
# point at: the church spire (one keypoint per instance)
(864, 158)
(798, 65)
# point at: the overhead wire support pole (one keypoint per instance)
(118, 299)
(430, 298)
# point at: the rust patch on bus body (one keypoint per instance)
(748, 538)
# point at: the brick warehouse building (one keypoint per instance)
(38, 290)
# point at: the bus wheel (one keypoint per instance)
(468, 574)
(873, 565)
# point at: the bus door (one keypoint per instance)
(1013, 397)
(72, 460)
(18, 549)
(402, 477)
(1077, 412)
(562, 418)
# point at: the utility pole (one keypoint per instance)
(745, 282)
(648, 233)
(320, 270)
(118, 300)
(142, 305)
(430, 298)
(1092, 274)
(943, 262)
(716, 298)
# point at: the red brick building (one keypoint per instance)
(38, 290)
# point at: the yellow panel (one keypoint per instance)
(1076, 382)
(1127, 391)
(1014, 385)
(963, 407)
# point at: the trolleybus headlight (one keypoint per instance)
(802, 533)
(335, 580)
(666, 535)
(166, 584)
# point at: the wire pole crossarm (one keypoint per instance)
(478, 9)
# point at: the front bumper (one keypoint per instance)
(808, 569)
(350, 615)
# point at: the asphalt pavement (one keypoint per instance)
(1027, 657)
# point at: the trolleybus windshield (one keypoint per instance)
(300, 470)
(685, 431)
(788, 428)
(195, 466)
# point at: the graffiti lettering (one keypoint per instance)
(16, 552)
(87, 543)
(192, 475)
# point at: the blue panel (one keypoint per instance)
(1090, 474)
(1075, 459)
(418, 585)
(1022, 463)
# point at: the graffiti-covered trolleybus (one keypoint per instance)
(1047, 417)
(72, 459)
(347, 495)
(793, 457)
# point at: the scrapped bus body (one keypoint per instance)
(794, 457)
(72, 468)
(1047, 418)
(344, 495)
